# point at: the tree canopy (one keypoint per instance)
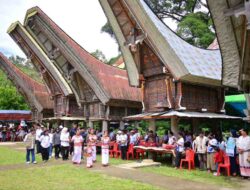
(10, 98)
(192, 17)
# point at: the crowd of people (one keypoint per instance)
(11, 132)
(210, 149)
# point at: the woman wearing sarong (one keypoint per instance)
(92, 138)
(105, 149)
(88, 156)
(77, 140)
(243, 146)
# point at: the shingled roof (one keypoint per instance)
(185, 61)
(112, 81)
(35, 92)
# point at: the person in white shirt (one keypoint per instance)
(201, 149)
(123, 144)
(45, 144)
(65, 138)
(38, 135)
(179, 149)
(243, 147)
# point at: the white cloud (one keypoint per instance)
(81, 19)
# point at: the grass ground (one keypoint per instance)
(58, 177)
(9, 156)
(194, 175)
(64, 177)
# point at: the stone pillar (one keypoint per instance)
(152, 125)
(121, 127)
(104, 125)
(174, 125)
(91, 124)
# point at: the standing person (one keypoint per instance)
(4, 134)
(45, 144)
(105, 148)
(212, 143)
(179, 149)
(78, 142)
(38, 135)
(51, 142)
(57, 143)
(29, 141)
(65, 139)
(243, 146)
(89, 150)
(72, 133)
(92, 138)
(231, 152)
(123, 144)
(201, 148)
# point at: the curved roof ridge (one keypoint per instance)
(38, 86)
(105, 75)
(199, 62)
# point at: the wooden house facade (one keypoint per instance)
(174, 76)
(34, 93)
(101, 91)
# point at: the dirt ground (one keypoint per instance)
(157, 180)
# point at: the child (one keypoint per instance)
(88, 151)
(218, 158)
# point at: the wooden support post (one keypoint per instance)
(136, 124)
(152, 125)
(174, 125)
(104, 125)
(121, 125)
(195, 125)
(91, 124)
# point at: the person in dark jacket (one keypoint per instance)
(57, 143)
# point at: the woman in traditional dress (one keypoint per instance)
(105, 148)
(92, 138)
(88, 155)
(243, 146)
(77, 140)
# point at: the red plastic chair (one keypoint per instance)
(225, 164)
(115, 152)
(189, 159)
(130, 151)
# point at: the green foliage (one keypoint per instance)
(10, 98)
(175, 9)
(98, 54)
(195, 29)
(108, 29)
(114, 59)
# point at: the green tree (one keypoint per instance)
(10, 98)
(98, 54)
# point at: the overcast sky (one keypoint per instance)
(81, 19)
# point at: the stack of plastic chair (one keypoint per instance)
(115, 152)
(140, 152)
(189, 159)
